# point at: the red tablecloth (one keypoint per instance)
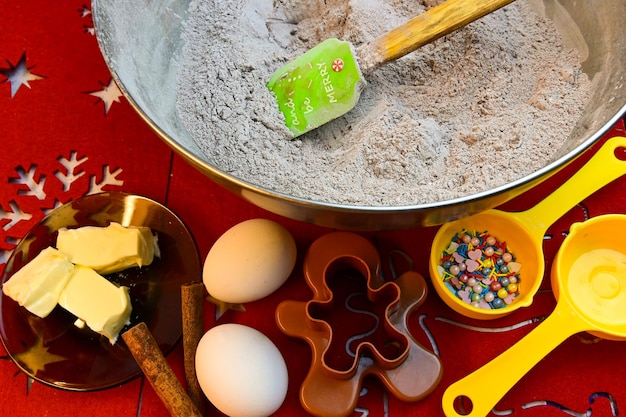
(67, 132)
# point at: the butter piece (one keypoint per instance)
(102, 305)
(108, 249)
(38, 285)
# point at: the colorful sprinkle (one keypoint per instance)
(480, 270)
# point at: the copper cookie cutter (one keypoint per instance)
(380, 343)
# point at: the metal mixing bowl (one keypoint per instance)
(140, 40)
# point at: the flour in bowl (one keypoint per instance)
(479, 108)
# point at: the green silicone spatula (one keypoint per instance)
(326, 82)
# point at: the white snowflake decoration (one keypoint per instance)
(14, 216)
(70, 165)
(27, 178)
(32, 184)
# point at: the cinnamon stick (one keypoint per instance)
(148, 355)
(193, 328)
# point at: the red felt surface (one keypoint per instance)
(57, 120)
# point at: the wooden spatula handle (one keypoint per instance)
(423, 29)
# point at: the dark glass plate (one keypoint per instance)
(54, 351)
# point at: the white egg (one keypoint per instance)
(241, 371)
(249, 261)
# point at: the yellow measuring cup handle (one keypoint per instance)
(484, 392)
(603, 167)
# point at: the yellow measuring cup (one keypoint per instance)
(523, 231)
(589, 281)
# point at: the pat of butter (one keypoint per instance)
(108, 249)
(102, 305)
(38, 285)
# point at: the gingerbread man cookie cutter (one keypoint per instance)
(380, 342)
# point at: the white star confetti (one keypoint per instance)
(84, 11)
(19, 75)
(109, 94)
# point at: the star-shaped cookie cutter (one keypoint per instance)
(407, 370)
